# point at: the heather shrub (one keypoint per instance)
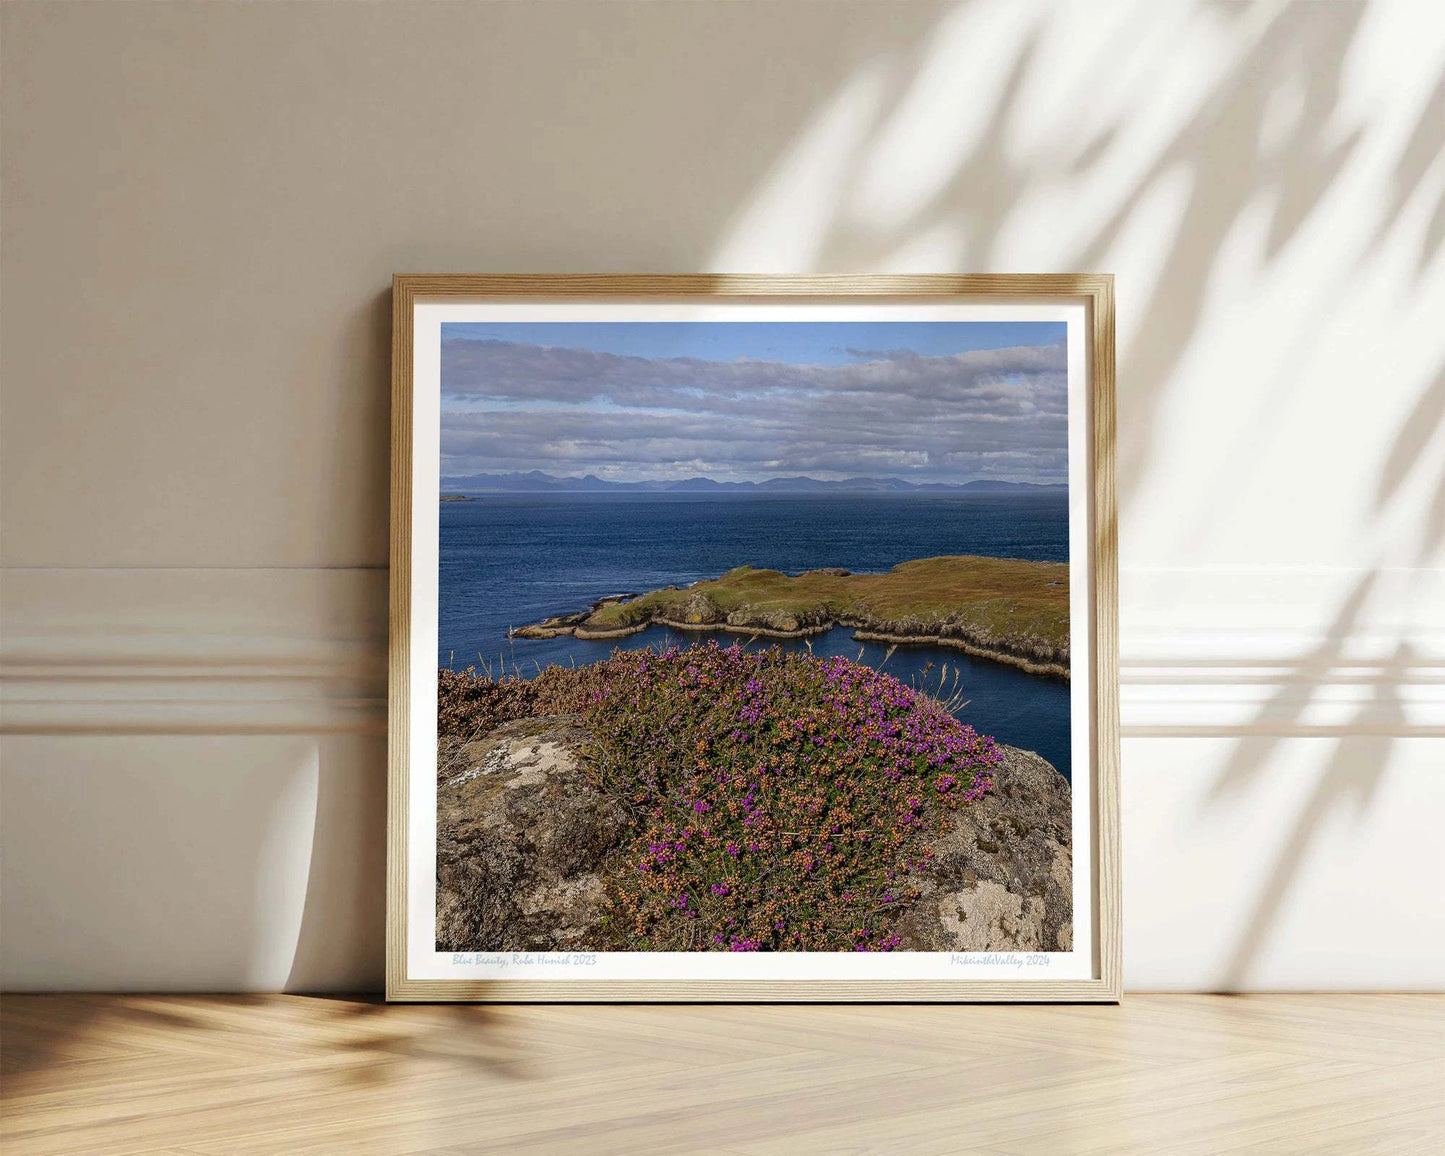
(780, 802)
(776, 802)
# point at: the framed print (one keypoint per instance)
(753, 638)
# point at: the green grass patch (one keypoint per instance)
(1000, 597)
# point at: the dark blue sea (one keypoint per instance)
(512, 559)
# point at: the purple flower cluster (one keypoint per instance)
(820, 781)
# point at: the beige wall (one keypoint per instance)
(202, 208)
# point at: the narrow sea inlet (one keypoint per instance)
(510, 560)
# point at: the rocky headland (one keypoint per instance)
(1005, 609)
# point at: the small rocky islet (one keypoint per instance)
(1007, 609)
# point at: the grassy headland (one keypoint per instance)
(1002, 608)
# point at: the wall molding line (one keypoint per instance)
(1204, 652)
(274, 684)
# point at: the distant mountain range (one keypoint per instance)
(536, 482)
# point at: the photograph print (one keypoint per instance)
(754, 637)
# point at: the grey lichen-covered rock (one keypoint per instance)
(696, 610)
(520, 836)
(778, 622)
(1002, 878)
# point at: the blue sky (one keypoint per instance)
(746, 401)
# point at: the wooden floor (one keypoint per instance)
(1162, 1074)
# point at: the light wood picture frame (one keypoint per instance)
(1077, 962)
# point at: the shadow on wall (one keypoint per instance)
(869, 182)
(1260, 129)
(1357, 769)
(819, 142)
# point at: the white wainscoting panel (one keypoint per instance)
(194, 779)
(194, 770)
(1283, 763)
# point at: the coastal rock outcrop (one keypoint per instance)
(1002, 878)
(552, 627)
(695, 610)
(525, 842)
(699, 612)
(1038, 655)
(521, 837)
(780, 623)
